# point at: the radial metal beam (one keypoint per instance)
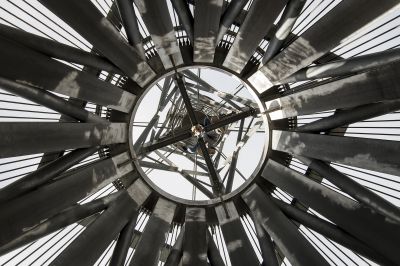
(154, 234)
(284, 28)
(347, 16)
(131, 26)
(161, 30)
(285, 234)
(45, 73)
(50, 100)
(44, 174)
(58, 50)
(207, 16)
(374, 86)
(214, 256)
(195, 239)
(99, 234)
(232, 167)
(266, 245)
(31, 209)
(379, 233)
(229, 16)
(88, 21)
(123, 243)
(256, 25)
(50, 137)
(238, 244)
(185, 16)
(176, 252)
(346, 66)
(64, 218)
(373, 154)
(345, 117)
(354, 189)
(330, 231)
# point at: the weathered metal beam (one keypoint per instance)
(172, 168)
(331, 231)
(161, 30)
(131, 26)
(375, 230)
(215, 179)
(56, 136)
(44, 174)
(347, 16)
(266, 245)
(185, 16)
(109, 224)
(154, 234)
(123, 243)
(354, 189)
(232, 167)
(207, 16)
(345, 117)
(88, 21)
(229, 16)
(64, 218)
(285, 234)
(214, 256)
(176, 252)
(195, 238)
(374, 86)
(373, 154)
(57, 50)
(46, 73)
(32, 208)
(256, 25)
(346, 66)
(234, 233)
(284, 27)
(50, 100)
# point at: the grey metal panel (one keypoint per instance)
(207, 14)
(329, 31)
(374, 86)
(26, 66)
(87, 20)
(99, 234)
(373, 154)
(256, 25)
(161, 30)
(285, 234)
(17, 216)
(378, 232)
(37, 137)
(149, 248)
(195, 238)
(238, 244)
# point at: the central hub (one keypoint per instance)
(197, 135)
(197, 130)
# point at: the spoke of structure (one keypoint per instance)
(346, 66)
(284, 28)
(354, 189)
(185, 16)
(58, 50)
(345, 117)
(229, 16)
(44, 174)
(131, 26)
(234, 158)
